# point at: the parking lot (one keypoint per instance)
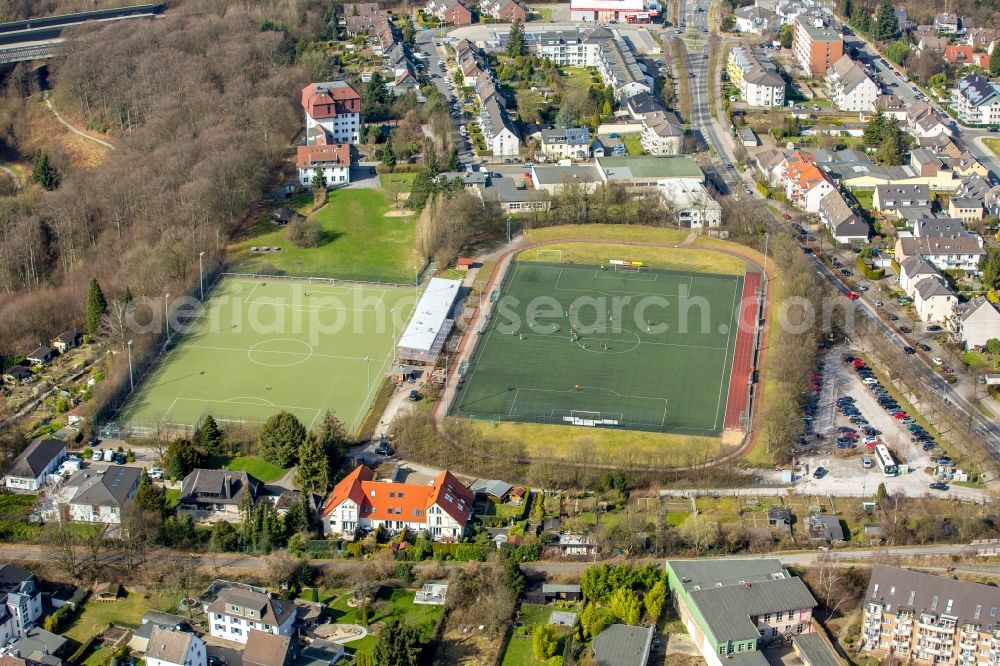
(845, 473)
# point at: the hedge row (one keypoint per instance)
(868, 271)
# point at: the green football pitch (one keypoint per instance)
(262, 346)
(555, 351)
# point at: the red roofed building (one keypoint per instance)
(335, 108)
(441, 509)
(806, 184)
(958, 53)
(333, 161)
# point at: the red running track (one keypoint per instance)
(739, 379)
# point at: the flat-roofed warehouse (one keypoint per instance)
(431, 323)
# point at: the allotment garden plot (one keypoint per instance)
(589, 346)
(265, 345)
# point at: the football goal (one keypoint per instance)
(625, 265)
(554, 256)
(588, 418)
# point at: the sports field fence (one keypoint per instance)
(317, 280)
(647, 420)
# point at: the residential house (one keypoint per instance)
(237, 612)
(570, 143)
(449, 11)
(617, 65)
(359, 502)
(976, 322)
(816, 48)
(806, 184)
(845, 225)
(333, 109)
(947, 22)
(623, 645)
(691, 202)
(944, 252)
(169, 647)
(923, 121)
(757, 20)
(771, 164)
(20, 602)
(756, 77)
(940, 226)
(98, 495)
(267, 649)
(934, 301)
(216, 494)
(567, 48)
(732, 608)
(662, 133)
(851, 89)
(922, 618)
(890, 197)
(38, 647)
(507, 11)
(892, 106)
(641, 105)
(332, 162)
(155, 619)
(967, 209)
(914, 269)
(498, 130)
(984, 39)
(977, 100)
(18, 374)
(975, 187)
(65, 341)
(41, 356)
(568, 544)
(35, 466)
(930, 41)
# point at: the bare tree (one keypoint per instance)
(62, 542)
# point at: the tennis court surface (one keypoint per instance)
(264, 345)
(580, 345)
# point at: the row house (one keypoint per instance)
(449, 11)
(507, 11)
(618, 67)
(923, 121)
(359, 503)
(920, 617)
(892, 197)
(956, 252)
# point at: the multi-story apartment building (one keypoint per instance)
(815, 48)
(238, 611)
(851, 89)
(977, 100)
(569, 143)
(925, 619)
(334, 107)
(567, 48)
(757, 78)
(613, 59)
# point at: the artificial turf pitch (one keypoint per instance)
(662, 365)
(262, 346)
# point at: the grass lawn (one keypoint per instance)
(667, 258)
(993, 145)
(520, 650)
(17, 504)
(173, 495)
(540, 15)
(976, 359)
(607, 232)
(399, 605)
(259, 469)
(676, 518)
(360, 243)
(864, 199)
(633, 144)
(127, 612)
(99, 657)
(560, 442)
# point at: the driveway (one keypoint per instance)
(364, 176)
(230, 652)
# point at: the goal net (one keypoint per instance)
(548, 255)
(626, 268)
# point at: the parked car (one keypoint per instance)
(819, 472)
(109, 455)
(937, 485)
(98, 455)
(414, 395)
(909, 350)
(384, 448)
(155, 473)
(924, 347)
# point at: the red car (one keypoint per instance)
(858, 363)
(853, 295)
(899, 416)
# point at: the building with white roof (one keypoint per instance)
(623, 11)
(694, 206)
(430, 324)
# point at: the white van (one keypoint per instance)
(866, 462)
(109, 455)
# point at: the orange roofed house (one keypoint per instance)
(333, 112)
(806, 184)
(332, 161)
(441, 509)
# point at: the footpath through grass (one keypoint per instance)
(360, 241)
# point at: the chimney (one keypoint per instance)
(227, 483)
